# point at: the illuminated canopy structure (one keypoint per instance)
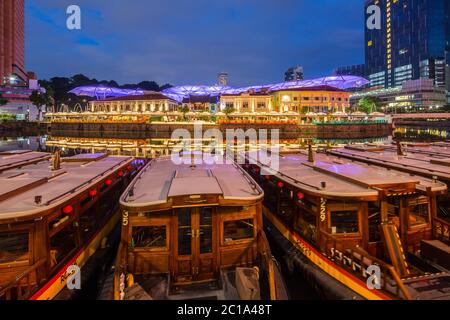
(338, 82)
(103, 92)
(185, 92)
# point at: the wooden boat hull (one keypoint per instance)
(349, 283)
(59, 281)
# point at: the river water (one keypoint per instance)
(142, 147)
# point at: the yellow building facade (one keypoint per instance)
(301, 101)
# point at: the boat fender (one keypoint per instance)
(130, 280)
(104, 242)
(257, 272)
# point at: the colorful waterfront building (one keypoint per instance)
(147, 103)
(321, 99)
(295, 99)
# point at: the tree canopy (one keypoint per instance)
(60, 86)
(369, 104)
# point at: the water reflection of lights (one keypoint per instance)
(422, 133)
(159, 147)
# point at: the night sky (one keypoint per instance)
(191, 41)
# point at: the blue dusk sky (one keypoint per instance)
(191, 41)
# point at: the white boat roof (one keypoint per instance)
(343, 178)
(20, 186)
(424, 164)
(162, 179)
(9, 159)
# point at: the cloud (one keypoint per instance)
(181, 42)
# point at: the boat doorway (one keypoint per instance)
(194, 255)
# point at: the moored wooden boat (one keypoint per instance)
(338, 221)
(54, 215)
(194, 231)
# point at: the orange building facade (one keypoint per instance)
(12, 41)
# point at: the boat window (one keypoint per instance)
(184, 232)
(149, 237)
(443, 212)
(307, 203)
(374, 221)
(344, 222)
(287, 207)
(88, 222)
(238, 230)
(206, 230)
(61, 244)
(14, 247)
(394, 211)
(306, 224)
(419, 213)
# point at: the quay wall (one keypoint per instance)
(163, 130)
(23, 128)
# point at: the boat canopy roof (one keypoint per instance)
(163, 179)
(20, 186)
(426, 161)
(341, 177)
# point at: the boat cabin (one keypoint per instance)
(54, 214)
(194, 228)
(338, 208)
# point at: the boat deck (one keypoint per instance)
(162, 179)
(20, 185)
(158, 288)
(419, 163)
(344, 178)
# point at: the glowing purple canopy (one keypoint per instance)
(179, 93)
(338, 82)
(103, 92)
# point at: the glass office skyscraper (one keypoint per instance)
(413, 42)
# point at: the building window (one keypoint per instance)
(261, 105)
(245, 105)
(14, 247)
(149, 237)
(238, 230)
(229, 105)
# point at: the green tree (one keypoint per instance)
(41, 99)
(228, 110)
(368, 104)
(183, 109)
(3, 101)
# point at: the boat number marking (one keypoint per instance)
(125, 218)
(323, 209)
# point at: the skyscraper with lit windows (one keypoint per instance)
(12, 42)
(413, 42)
